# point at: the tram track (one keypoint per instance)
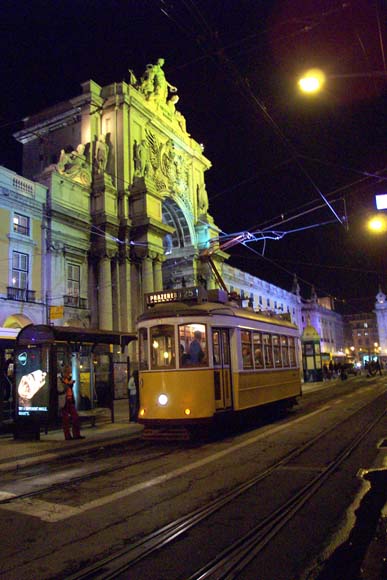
(230, 562)
(91, 474)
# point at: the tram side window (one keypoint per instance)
(258, 352)
(268, 351)
(277, 351)
(247, 358)
(193, 345)
(143, 348)
(285, 351)
(292, 352)
(162, 339)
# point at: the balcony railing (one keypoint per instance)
(21, 294)
(74, 301)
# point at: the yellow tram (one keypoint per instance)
(199, 358)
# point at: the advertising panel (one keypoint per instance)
(32, 381)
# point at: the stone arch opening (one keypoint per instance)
(17, 321)
(179, 247)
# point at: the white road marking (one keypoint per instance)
(53, 512)
(44, 510)
(6, 495)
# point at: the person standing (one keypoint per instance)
(69, 410)
(195, 350)
(133, 396)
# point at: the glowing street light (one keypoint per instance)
(378, 224)
(314, 79)
(312, 82)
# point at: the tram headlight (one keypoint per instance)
(187, 411)
(163, 400)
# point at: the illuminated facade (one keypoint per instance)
(263, 296)
(328, 323)
(381, 321)
(22, 251)
(128, 207)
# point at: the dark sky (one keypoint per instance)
(275, 154)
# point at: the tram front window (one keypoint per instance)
(193, 345)
(162, 340)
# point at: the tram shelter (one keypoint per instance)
(7, 344)
(95, 358)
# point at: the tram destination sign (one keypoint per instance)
(175, 295)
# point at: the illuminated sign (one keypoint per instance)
(56, 312)
(32, 384)
(177, 295)
(381, 201)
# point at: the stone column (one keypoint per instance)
(126, 295)
(147, 275)
(157, 274)
(105, 307)
(116, 295)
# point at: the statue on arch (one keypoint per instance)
(147, 82)
(162, 86)
(101, 154)
(140, 158)
(75, 165)
(154, 85)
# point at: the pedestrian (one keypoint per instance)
(69, 410)
(133, 397)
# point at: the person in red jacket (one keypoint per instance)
(69, 410)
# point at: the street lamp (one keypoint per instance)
(378, 224)
(314, 79)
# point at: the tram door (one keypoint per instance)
(222, 367)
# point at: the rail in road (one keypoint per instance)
(230, 562)
(136, 561)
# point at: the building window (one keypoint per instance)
(19, 270)
(267, 301)
(73, 279)
(19, 288)
(21, 224)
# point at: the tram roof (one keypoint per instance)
(42, 333)
(8, 337)
(177, 309)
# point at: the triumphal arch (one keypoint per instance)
(127, 205)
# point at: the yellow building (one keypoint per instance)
(22, 251)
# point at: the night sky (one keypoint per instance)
(275, 154)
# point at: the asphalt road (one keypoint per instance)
(74, 512)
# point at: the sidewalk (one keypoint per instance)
(15, 454)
